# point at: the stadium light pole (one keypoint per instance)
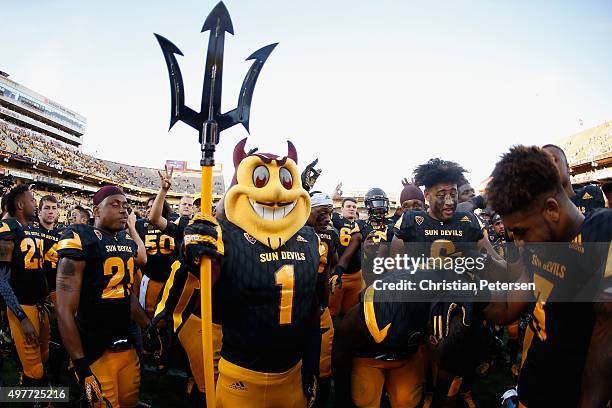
(210, 122)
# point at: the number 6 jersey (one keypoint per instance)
(103, 317)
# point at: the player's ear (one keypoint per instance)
(96, 211)
(551, 210)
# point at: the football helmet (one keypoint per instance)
(377, 203)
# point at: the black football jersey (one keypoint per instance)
(103, 317)
(395, 325)
(498, 242)
(265, 298)
(179, 298)
(50, 239)
(588, 198)
(345, 227)
(383, 233)
(556, 355)
(330, 241)
(426, 236)
(161, 250)
(176, 228)
(28, 280)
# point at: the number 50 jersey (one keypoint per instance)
(103, 317)
(266, 298)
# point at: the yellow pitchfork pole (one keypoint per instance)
(209, 122)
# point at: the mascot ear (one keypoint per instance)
(291, 152)
(239, 153)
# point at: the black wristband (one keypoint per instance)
(81, 368)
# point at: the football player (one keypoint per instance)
(79, 215)
(50, 234)
(586, 198)
(367, 237)
(440, 231)
(265, 295)
(161, 254)
(321, 208)
(384, 343)
(346, 279)
(568, 346)
(179, 305)
(465, 191)
(23, 284)
(96, 302)
(411, 198)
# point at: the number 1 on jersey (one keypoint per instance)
(285, 278)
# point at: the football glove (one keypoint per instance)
(151, 342)
(309, 385)
(441, 317)
(335, 280)
(310, 175)
(92, 390)
(202, 238)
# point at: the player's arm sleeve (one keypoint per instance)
(7, 244)
(352, 335)
(323, 274)
(401, 228)
(7, 291)
(171, 293)
(174, 229)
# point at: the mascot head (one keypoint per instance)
(266, 198)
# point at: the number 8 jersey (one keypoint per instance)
(103, 317)
(264, 298)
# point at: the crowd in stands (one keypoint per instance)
(40, 148)
(598, 142)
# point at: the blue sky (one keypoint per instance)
(371, 88)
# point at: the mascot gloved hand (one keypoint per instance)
(202, 238)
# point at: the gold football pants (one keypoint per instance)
(342, 299)
(327, 339)
(119, 375)
(190, 337)
(403, 380)
(239, 387)
(31, 357)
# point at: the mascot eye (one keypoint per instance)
(285, 178)
(261, 175)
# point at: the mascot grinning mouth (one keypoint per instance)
(272, 211)
(266, 198)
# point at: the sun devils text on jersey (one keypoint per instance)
(560, 330)
(432, 238)
(265, 298)
(103, 316)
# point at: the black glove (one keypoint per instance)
(151, 342)
(92, 390)
(310, 175)
(309, 385)
(335, 280)
(201, 239)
